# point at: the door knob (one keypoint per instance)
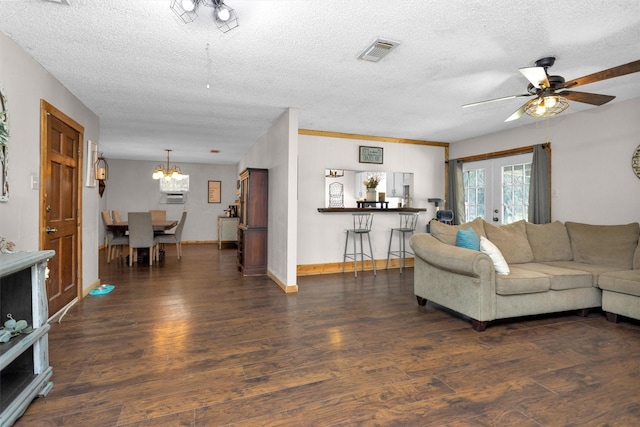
(496, 219)
(50, 230)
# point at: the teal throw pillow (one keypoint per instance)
(468, 239)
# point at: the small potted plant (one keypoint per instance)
(371, 183)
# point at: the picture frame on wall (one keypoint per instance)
(214, 191)
(91, 159)
(4, 147)
(370, 154)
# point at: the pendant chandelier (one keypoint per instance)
(169, 172)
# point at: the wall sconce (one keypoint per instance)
(101, 169)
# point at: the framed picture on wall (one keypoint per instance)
(214, 191)
(4, 147)
(370, 154)
(92, 157)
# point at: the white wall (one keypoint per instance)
(25, 82)
(277, 151)
(321, 236)
(130, 188)
(591, 160)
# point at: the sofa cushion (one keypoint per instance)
(636, 258)
(625, 282)
(512, 241)
(468, 239)
(594, 269)
(612, 245)
(522, 281)
(447, 233)
(499, 264)
(561, 278)
(549, 242)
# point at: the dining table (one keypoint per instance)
(123, 226)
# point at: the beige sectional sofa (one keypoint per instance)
(552, 268)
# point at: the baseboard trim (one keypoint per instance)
(288, 289)
(86, 290)
(336, 267)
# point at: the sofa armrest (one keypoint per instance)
(449, 257)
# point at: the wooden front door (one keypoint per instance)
(60, 190)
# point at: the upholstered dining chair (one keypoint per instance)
(141, 236)
(115, 241)
(158, 215)
(116, 216)
(175, 237)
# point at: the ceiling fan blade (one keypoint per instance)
(504, 98)
(537, 76)
(587, 98)
(620, 70)
(517, 114)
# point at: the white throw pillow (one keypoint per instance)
(494, 253)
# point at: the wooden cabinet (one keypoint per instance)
(24, 360)
(252, 230)
(227, 230)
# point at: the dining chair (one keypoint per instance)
(158, 215)
(141, 236)
(116, 216)
(175, 237)
(114, 241)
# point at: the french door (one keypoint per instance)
(497, 189)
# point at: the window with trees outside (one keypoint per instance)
(498, 189)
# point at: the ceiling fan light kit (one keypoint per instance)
(547, 102)
(546, 106)
(225, 18)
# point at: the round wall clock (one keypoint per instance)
(635, 161)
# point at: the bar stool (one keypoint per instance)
(361, 225)
(408, 222)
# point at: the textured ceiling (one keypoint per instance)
(145, 74)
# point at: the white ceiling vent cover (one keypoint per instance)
(377, 50)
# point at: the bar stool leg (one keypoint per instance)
(402, 250)
(389, 250)
(344, 258)
(373, 261)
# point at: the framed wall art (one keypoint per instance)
(214, 191)
(92, 157)
(370, 154)
(4, 147)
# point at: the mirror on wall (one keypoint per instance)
(343, 188)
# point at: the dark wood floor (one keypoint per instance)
(192, 343)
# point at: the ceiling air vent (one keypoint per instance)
(377, 50)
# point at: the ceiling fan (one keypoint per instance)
(547, 101)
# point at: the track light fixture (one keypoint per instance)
(226, 18)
